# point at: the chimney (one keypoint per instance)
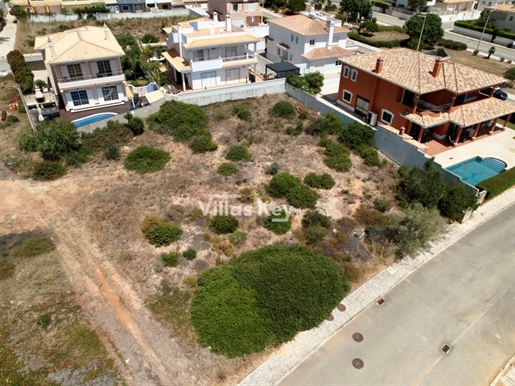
(228, 24)
(215, 17)
(51, 46)
(106, 32)
(437, 67)
(329, 27)
(379, 65)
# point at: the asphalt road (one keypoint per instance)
(464, 297)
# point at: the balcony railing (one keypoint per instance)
(88, 77)
(227, 59)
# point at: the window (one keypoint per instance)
(104, 68)
(291, 38)
(408, 98)
(387, 116)
(233, 75)
(511, 18)
(74, 71)
(235, 7)
(291, 57)
(354, 75)
(231, 51)
(165, 6)
(278, 51)
(312, 42)
(80, 98)
(251, 7)
(199, 55)
(110, 93)
(296, 40)
(347, 96)
(125, 8)
(338, 62)
(346, 71)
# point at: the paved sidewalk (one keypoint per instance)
(7, 39)
(294, 352)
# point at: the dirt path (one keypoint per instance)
(146, 354)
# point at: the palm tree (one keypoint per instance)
(491, 51)
(318, 4)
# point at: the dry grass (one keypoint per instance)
(387, 36)
(27, 31)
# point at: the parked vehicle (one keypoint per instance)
(511, 45)
(498, 93)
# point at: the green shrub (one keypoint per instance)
(221, 224)
(311, 82)
(11, 119)
(375, 43)
(149, 38)
(304, 114)
(314, 234)
(425, 185)
(328, 124)
(227, 169)
(302, 196)
(382, 204)
(112, 152)
(242, 112)
(170, 259)
(135, 124)
(264, 297)
(278, 223)
(282, 109)
(337, 156)
(319, 181)
(180, 120)
(57, 139)
(27, 140)
(44, 320)
(350, 271)
(163, 234)
(456, 200)
(100, 139)
(219, 116)
(48, 170)
(453, 44)
(238, 153)
(498, 184)
(77, 157)
(189, 254)
(369, 154)
(238, 237)
(7, 269)
(149, 222)
(313, 218)
(146, 159)
(297, 130)
(273, 169)
(21, 72)
(190, 281)
(202, 142)
(281, 184)
(356, 135)
(33, 247)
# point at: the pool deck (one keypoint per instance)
(500, 145)
(118, 109)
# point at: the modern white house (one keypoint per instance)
(84, 67)
(308, 42)
(482, 4)
(503, 16)
(204, 53)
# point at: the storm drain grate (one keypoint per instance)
(330, 317)
(357, 337)
(446, 349)
(341, 307)
(358, 363)
(381, 301)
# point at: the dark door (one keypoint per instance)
(362, 106)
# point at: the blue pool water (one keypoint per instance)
(92, 119)
(478, 169)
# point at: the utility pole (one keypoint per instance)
(484, 28)
(422, 30)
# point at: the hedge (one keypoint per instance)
(453, 44)
(498, 184)
(379, 44)
(469, 25)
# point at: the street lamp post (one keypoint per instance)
(484, 28)
(422, 30)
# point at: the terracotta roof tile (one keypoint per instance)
(412, 70)
(305, 25)
(324, 52)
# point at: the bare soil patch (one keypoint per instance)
(387, 36)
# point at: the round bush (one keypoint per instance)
(163, 234)
(238, 238)
(312, 218)
(33, 247)
(136, 125)
(265, 297)
(48, 170)
(146, 159)
(278, 223)
(203, 143)
(281, 184)
(221, 224)
(227, 169)
(170, 259)
(242, 112)
(112, 152)
(149, 38)
(303, 197)
(189, 254)
(238, 153)
(320, 181)
(282, 109)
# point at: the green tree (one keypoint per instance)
(296, 6)
(510, 75)
(315, 82)
(425, 185)
(416, 5)
(318, 4)
(355, 9)
(433, 30)
(455, 200)
(491, 51)
(57, 139)
(368, 27)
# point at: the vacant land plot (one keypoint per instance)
(387, 36)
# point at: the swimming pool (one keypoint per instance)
(92, 118)
(478, 169)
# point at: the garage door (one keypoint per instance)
(232, 75)
(208, 79)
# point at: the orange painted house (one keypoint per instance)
(421, 95)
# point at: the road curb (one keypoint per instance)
(291, 354)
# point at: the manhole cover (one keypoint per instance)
(358, 363)
(330, 317)
(341, 307)
(357, 337)
(381, 301)
(446, 348)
